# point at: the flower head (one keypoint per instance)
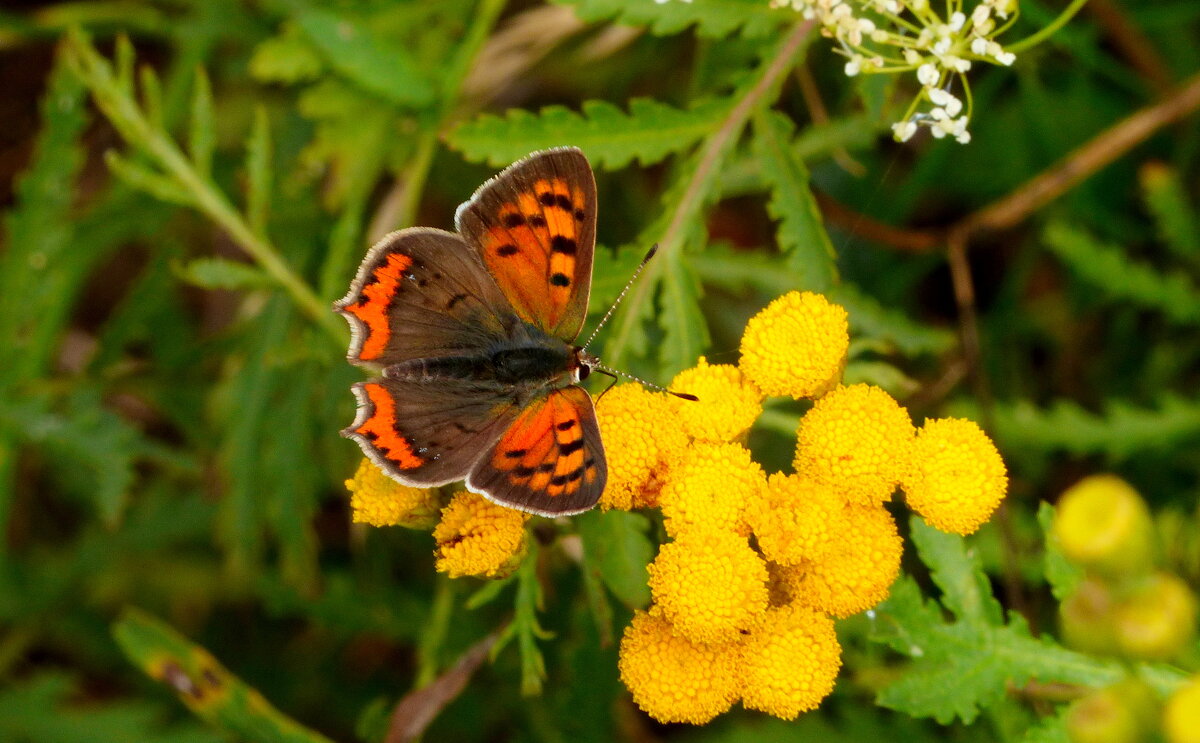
(1181, 717)
(673, 678)
(956, 477)
(796, 345)
(1103, 524)
(796, 519)
(727, 405)
(856, 574)
(642, 437)
(789, 661)
(709, 584)
(855, 439)
(710, 487)
(478, 537)
(378, 500)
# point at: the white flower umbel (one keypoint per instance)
(896, 36)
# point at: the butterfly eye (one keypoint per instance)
(584, 371)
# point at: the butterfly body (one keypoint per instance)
(474, 333)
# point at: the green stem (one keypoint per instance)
(1037, 38)
(435, 631)
(137, 131)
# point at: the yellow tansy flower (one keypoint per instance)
(709, 584)
(478, 537)
(796, 345)
(378, 500)
(727, 407)
(711, 486)
(1104, 525)
(856, 574)
(955, 477)
(796, 519)
(857, 440)
(1181, 717)
(789, 662)
(672, 678)
(641, 439)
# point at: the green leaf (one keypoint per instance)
(965, 587)
(144, 179)
(1062, 574)
(202, 134)
(1108, 268)
(259, 172)
(286, 58)
(222, 273)
(801, 233)
(616, 544)
(152, 97)
(610, 137)
(376, 64)
(203, 684)
(712, 18)
(685, 334)
(1050, 729)
(1174, 216)
(871, 319)
(1119, 432)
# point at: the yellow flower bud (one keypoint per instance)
(1103, 525)
(727, 406)
(1181, 717)
(673, 678)
(710, 487)
(955, 478)
(642, 437)
(477, 537)
(796, 345)
(1155, 619)
(797, 519)
(789, 662)
(378, 500)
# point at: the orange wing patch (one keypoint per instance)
(544, 448)
(532, 244)
(380, 430)
(372, 309)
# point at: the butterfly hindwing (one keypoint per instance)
(422, 293)
(534, 226)
(428, 433)
(549, 460)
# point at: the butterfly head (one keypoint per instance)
(582, 365)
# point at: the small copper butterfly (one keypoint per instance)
(475, 333)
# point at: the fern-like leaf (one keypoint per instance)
(1167, 200)
(611, 138)
(712, 18)
(1109, 269)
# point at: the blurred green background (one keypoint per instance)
(171, 384)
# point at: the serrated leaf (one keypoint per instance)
(870, 318)
(1120, 431)
(376, 64)
(202, 127)
(222, 273)
(286, 58)
(965, 587)
(611, 138)
(616, 544)
(1173, 213)
(144, 179)
(801, 234)
(203, 684)
(151, 95)
(1109, 269)
(1062, 574)
(685, 334)
(712, 18)
(259, 172)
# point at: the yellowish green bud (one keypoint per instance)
(1156, 619)
(1125, 712)
(1086, 619)
(1104, 526)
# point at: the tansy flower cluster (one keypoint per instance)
(757, 567)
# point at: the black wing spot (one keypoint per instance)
(513, 219)
(563, 244)
(506, 250)
(580, 215)
(515, 453)
(537, 220)
(547, 467)
(569, 477)
(564, 202)
(560, 279)
(524, 472)
(546, 198)
(455, 300)
(571, 447)
(463, 429)
(566, 425)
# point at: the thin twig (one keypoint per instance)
(1133, 44)
(817, 111)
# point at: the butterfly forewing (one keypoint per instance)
(422, 293)
(549, 460)
(535, 228)
(428, 433)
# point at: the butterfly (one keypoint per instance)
(475, 333)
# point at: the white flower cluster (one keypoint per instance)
(891, 36)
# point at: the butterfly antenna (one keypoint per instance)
(617, 301)
(614, 373)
